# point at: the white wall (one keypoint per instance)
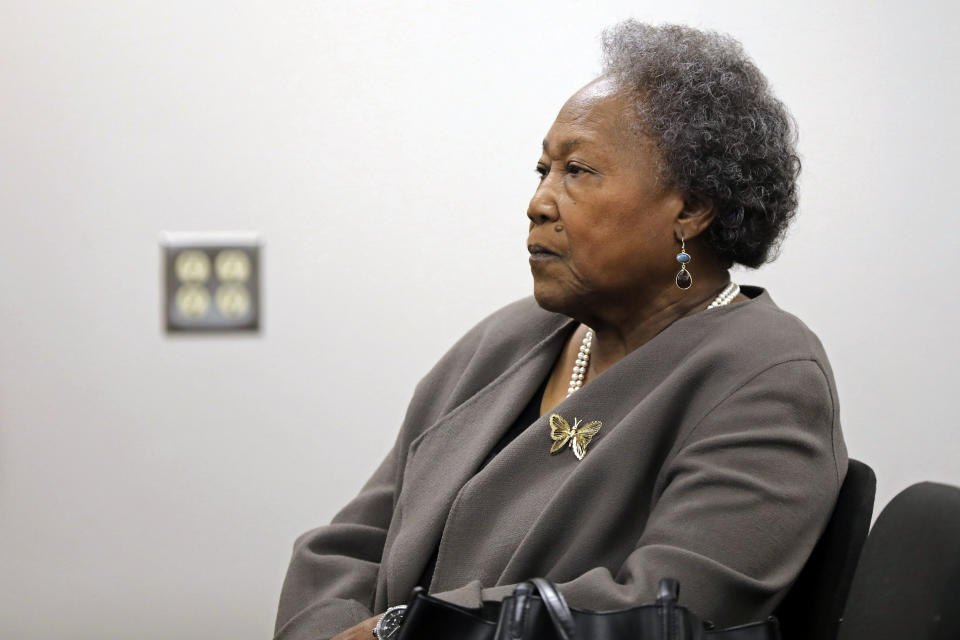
(151, 487)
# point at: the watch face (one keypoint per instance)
(389, 624)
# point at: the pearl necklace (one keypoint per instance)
(729, 292)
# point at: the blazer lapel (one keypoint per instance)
(442, 459)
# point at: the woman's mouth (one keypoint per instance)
(539, 253)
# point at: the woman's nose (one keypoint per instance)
(543, 207)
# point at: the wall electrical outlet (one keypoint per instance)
(211, 281)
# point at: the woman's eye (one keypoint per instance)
(573, 169)
(542, 171)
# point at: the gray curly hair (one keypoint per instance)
(723, 136)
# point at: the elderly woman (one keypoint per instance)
(641, 416)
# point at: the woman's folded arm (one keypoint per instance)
(332, 578)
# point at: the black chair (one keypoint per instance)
(907, 585)
(812, 608)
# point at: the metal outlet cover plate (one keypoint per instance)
(211, 281)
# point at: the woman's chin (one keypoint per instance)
(550, 299)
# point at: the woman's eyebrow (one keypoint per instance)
(566, 146)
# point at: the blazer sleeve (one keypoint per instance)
(331, 582)
(738, 508)
(332, 578)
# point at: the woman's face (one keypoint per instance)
(602, 226)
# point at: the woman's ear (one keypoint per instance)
(696, 216)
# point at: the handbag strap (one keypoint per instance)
(668, 591)
(672, 615)
(556, 607)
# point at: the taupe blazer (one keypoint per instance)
(718, 463)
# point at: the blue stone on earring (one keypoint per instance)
(683, 257)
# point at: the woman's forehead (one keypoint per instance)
(598, 121)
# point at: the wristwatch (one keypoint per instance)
(389, 622)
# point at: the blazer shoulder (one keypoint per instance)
(761, 334)
(488, 349)
(757, 341)
(515, 327)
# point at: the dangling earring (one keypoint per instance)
(684, 279)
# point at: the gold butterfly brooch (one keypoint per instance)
(578, 436)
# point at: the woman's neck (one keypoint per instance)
(622, 329)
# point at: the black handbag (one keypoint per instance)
(538, 611)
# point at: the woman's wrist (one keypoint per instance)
(361, 631)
